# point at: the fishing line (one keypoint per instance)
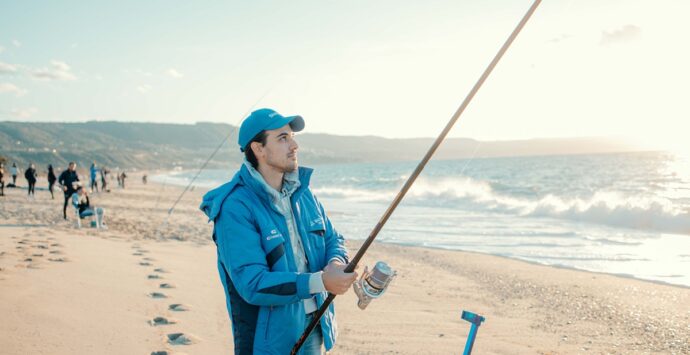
(203, 166)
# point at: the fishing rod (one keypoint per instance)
(408, 184)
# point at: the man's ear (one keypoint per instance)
(257, 148)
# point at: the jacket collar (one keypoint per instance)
(293, 183)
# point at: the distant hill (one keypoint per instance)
(157, 145)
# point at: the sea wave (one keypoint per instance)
(603, 207)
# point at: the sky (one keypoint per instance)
(387, 68)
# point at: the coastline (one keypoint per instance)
(98, 297)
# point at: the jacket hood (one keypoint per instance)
(213, 200)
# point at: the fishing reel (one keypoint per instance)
(373, 284)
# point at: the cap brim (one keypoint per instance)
(296, 123)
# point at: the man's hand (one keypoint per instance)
(336, 280)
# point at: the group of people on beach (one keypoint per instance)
(74, 191)
(31, 175)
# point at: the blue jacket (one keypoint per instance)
(263, 289)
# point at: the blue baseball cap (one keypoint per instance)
(263, 120)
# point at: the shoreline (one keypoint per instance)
(530, 308)
(531, 262)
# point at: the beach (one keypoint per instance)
(70, 291)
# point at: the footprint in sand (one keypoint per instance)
(145, 263)
(161, 321)
(177, 307)
(57, 245)
(161, 270)
(137, 254)
(157, 295)
(154, 276)
(36, 254)
(58, 260)
(56, 252)
(159, 353)
(148, 259)
(41, 247)
(181, 339)
(166, 285)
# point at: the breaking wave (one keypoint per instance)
(604, 207)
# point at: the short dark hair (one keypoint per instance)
(249, 153)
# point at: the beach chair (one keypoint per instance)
(89, 215)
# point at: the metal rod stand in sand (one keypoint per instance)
(476, 321)
(408, 184)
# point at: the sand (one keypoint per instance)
(148, 285)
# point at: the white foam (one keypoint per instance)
(607, 208)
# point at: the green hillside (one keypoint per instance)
(128, 145)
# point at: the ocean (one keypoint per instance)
(626, 214)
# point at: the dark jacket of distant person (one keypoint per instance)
(67, 179)
(30, 175)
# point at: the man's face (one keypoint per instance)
(280, 151)
(72, 166)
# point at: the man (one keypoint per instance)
(104, 179)
(14, 170)
(30, 175)
(123, 176)
(67, 180)
(94, 171)
(2, 179)
(278, 254)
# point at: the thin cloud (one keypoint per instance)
(57, 71)
(12, 89)
(562, 37)
(6, 68)
(16, 43)
(174, 73)
(626, 34)
(2, 49)
(144, 89)
(24, 112)
(143, 72)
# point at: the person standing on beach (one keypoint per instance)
(278, 253)
(14, 172)
(30, 175)
(104, 179)
(2, 179)
(123, 176)
(94, 171)
(67, 180)
(51, 180)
